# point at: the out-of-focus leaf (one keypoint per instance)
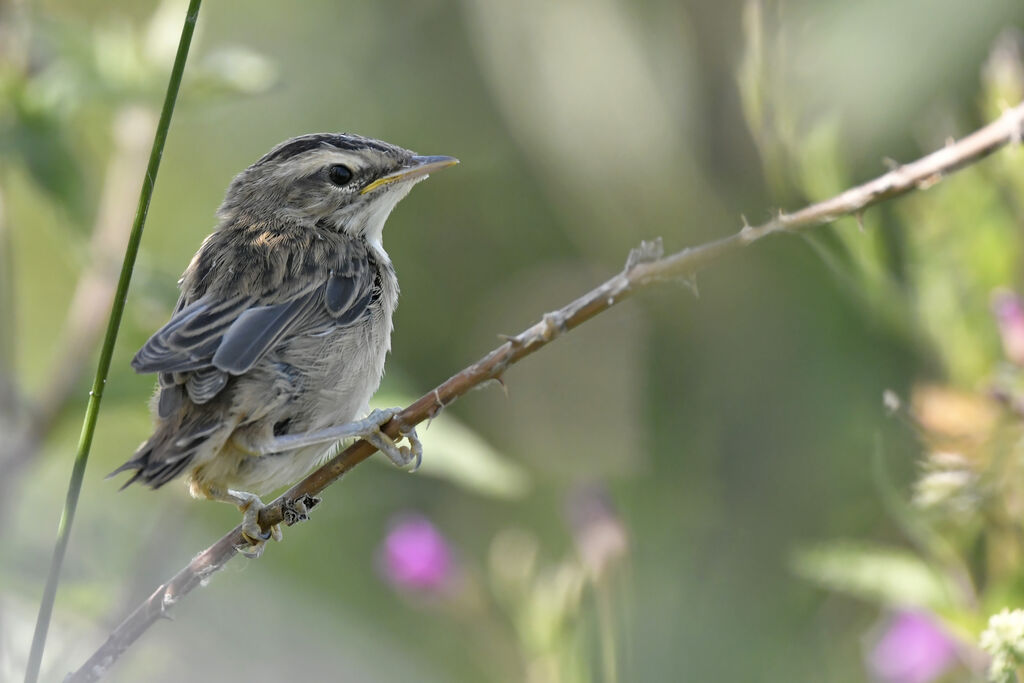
(1003, 74)
(891, 576)
(453, 451)
(236, 70)
(121, 62)
(42, 145)
(161, 34)
(864, 266)
(964, 242)
(552, 67)
(79, 71)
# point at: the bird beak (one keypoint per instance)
(418, 167)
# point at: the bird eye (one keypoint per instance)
(339, 174)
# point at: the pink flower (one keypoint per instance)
(1009, 314)
(415, 556)
(912, 649)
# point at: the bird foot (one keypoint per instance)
(251, 505)
(401, 456)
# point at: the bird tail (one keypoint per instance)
(167, 453)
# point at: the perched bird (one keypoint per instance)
(279, 337)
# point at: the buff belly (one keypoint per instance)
(339, 376)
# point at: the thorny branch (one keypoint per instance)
(645, 266)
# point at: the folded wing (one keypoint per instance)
(214, 337)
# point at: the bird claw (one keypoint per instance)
(401, 456)
(380, 416)
(252, 533)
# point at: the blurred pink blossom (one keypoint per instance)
(1009, 312)
(913, 648)
(601, 536)
(415, 556)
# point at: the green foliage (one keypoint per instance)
(890, 576)
(929, 266)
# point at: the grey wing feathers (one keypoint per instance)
(345, 290)
(347, 296)
(254, 332)
(207, 340)
(190, 337)
(204, 384)
(170, 395)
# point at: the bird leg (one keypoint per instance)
(367, 428)
(250, 505)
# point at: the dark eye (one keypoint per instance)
(339, 174)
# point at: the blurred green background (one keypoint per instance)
(639, 504)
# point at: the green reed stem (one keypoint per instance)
(103, 368)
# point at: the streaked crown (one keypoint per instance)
(340, 181)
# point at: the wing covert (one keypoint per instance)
(211, 338)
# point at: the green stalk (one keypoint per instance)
(102, 370)
(7, 316)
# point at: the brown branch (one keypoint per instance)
(644, 267)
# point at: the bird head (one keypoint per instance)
(338, 181)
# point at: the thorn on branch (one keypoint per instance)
(890, 163)
(781, 222)
(500, 379)
(514, 339)
(648, 251)
(860, 220)
(494, 379)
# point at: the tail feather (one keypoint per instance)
(168, 472)
(130, 465)
(166, 454)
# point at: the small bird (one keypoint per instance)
(279, 337)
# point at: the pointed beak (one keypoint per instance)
(418, 167)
